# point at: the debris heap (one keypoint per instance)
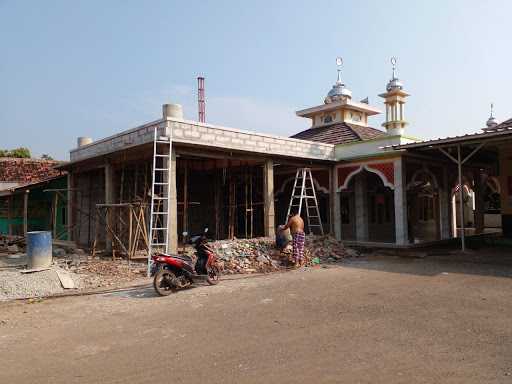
(261, 255)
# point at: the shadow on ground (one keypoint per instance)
(490, 261)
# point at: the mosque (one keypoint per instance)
(374, 186)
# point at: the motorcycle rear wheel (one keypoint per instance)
(163, 282)
(213, 275)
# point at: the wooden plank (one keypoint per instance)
(65, 279)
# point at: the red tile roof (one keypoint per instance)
(25, 171)
(339, 133)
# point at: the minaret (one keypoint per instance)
(491, 121)
(394, 99)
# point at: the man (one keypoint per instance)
(296, 226)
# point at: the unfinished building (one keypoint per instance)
(234, 182)
(373, 186)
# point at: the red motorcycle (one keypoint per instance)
(174, 272)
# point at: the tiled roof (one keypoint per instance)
(22, 171)
(339, 133)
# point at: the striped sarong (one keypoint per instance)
(298, 246)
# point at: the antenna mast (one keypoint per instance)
(200, 100)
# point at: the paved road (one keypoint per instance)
(375, 321)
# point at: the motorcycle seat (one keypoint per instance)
(185, 258)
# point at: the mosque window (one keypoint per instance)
(327, 119)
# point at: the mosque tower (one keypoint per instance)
(394, 99)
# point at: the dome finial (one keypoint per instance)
(393, 64)
(339, 62)
(394, 83)
(491, 122)
(338, 91)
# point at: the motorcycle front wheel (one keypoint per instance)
(163, 282)
(213, 275)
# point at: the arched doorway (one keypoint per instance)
(423, 207)
(367, 209)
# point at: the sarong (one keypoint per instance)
(298, 246)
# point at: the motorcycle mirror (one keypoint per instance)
(185, 234)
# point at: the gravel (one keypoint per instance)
(17, 285)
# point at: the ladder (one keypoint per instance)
(160, 193)
(304, 190)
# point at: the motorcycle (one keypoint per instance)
(173, 272)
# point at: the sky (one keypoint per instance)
(95, 68)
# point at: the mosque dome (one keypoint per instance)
(338, 92)
(491, 121)
(393, 84)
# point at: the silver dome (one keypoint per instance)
(394, 84)
(338, 92)
(491, 122)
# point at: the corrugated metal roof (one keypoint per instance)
(502, 129)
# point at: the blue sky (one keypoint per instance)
(94, 68)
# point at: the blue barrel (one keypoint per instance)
(39, 249)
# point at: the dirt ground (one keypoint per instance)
(443, 319)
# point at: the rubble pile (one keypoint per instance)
(247, 255)
(261, 254)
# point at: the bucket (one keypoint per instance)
(39, 249)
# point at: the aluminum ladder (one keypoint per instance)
(160, 194)
(304, 190)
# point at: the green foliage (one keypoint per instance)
(20, 152)
(45, 156)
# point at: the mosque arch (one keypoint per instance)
(369, 168)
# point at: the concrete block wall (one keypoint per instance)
(190, 132)
(130, 138)
(227, 138)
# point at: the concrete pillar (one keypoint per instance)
(69, 207)
(401, 223)
(172, 209)
(334, 204)
(444, 207)
(25, 212)
(109, 199)
(268, 198)
(478, 189)
(361, 196)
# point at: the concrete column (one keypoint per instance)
(478, 189)
(172, 209)
(268, 198)
(109, 199)
(25, 212)
(334, 204)
(69, 207)
(401, 223)
(361, 196)
(444, 206)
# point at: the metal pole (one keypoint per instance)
(461, 203)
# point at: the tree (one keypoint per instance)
(45, 156)
(20, 152)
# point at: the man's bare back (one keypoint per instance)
(295, 223)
